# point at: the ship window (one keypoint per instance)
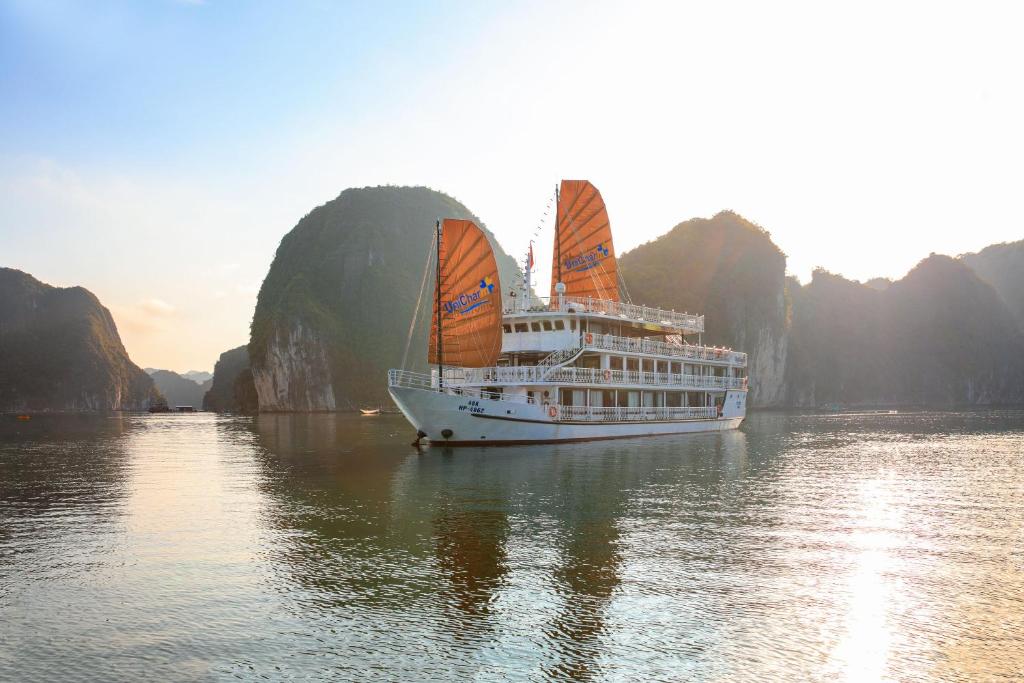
(615, 362)
(674, 399)
(547, 325)
(522, 327)
(535, 327)
(507, 328)
(559, 324)
(676, 369)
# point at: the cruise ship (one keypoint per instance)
(579, 365)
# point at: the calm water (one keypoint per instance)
(802, 547)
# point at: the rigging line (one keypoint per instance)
(625, 289)
(419, 300)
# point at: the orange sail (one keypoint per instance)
(584, 257)
(469, 305)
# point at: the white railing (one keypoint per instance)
(608, 342)
(418, 380)
(636, 414)
(531, 374)
(618, 309)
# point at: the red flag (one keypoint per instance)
(529, 258)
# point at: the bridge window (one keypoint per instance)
(547, 325)
(535, 327)
(522, 327)
(559, 324)
(507, 328)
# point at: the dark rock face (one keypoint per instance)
(939, 336)
(730, 270)
(231, 389)
(333, 313)
(60, 351)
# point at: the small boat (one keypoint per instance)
(370, 411)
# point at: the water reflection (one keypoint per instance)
(63, 481)
(321, 546)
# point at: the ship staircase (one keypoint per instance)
(558, 359)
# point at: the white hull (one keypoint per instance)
(468, 420)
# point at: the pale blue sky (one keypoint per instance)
(155, 152)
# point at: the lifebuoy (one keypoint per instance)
(607, 375)
(590, 338)
(553, 411)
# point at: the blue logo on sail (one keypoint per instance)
(464, 303)
(587, 261)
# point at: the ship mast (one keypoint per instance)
(437, 300)
(559, 285)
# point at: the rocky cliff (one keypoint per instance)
(232, 388)
(60, 350)
(333, 313)
(939, 336)
(1002, 266)
(730, 270)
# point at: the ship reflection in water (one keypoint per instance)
(820, 547)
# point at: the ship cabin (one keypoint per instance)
(586, 356)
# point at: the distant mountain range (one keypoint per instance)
(60, 351)
(179, 390)
(942, 335)
(334, 311)
(197, 376)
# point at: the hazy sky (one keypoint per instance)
(156, 152)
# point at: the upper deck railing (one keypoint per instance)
(615, 309)
(532, 374)
(610, 342)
